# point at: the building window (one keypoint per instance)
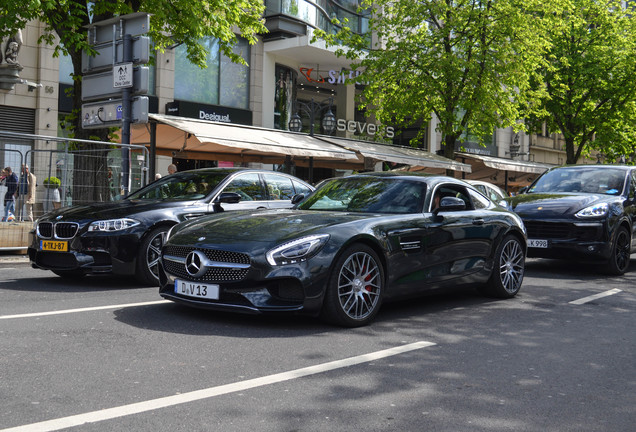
(221, 83)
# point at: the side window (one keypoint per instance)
(450, 190)
(479, 201)
(632, 193)
(279, 187)
(301, 188)
(248, 186)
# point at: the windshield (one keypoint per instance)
(180, 186)
(368, 195)
(586, 179)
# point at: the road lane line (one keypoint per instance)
(153, 404)
(89, 309)
(595, 296)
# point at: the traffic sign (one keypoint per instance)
(109, 55)
(109, 113)
(123, 75)
(102, 85)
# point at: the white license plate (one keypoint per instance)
(537, 243)
(197, 290)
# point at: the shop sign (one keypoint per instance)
(209, 112)
(333, 77)
(360, 128)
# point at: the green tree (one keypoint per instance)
(468, 62)
(590, 76)
(172, 22)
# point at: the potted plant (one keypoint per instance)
(52, 183)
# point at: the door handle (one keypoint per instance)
(478, 221)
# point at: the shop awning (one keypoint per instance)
(511, 165)
(237, 142)
(397, 154)
(203, 139)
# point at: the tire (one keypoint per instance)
(148, 257)
(621, 248)
(69, 274)
(508, 269)
(355, 288)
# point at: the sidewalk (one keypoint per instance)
(14, 257)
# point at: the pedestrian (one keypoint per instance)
(172, 168)
(28, 182)
(157, 176)
(11, 181)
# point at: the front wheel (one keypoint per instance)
(621, 248)
(507, 274)
(149, 255)
(355, 288)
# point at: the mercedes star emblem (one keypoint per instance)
(194, 264)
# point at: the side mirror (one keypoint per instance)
(297, 198)
(225, 198)
(450, 204)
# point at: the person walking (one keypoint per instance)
(27, 192)
(172, 168)
(11, 181)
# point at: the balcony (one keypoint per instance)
(290, 18)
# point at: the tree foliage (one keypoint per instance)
(589, 73)
(468, 62)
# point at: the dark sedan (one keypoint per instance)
(582, 212)
(125, 237)
(354, 243)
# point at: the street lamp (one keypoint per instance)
(312, 108)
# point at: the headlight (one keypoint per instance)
(297, 251)
(112, 225)
(597, 210)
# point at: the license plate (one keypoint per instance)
(197, 290)
(56, 246)
(543, 244)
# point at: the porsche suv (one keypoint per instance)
(582, 212)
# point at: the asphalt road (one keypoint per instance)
(101, 354)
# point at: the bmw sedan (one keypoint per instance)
(582, 212)
(125, 237)
(354, 243)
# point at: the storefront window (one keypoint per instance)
(285, 96)
(221, 83)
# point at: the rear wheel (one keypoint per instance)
(507, 275)
(148, 257)
(621, 248)
(355, 289)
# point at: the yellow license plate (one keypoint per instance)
(56, 246)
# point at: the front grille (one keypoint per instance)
(63, 230)
(560, 230)
(213, 274)
(66, 230)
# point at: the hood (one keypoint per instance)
(554, 205)
(266, 226)
(112, 210)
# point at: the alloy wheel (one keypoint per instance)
(359, 285)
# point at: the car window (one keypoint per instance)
(450, 190)
(587, 179)
(180, 186)
(301, 188)
(479, 201)
(279, 187)
(248, 186)
(633, 192)
(368, 195)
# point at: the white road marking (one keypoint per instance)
(595, 296)
(88, 309)
(140, 407)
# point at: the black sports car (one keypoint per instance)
(355, 242)
(125, 237)
(583, 212)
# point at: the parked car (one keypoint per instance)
(494, 192)
(354, 243)
(125, 237)
(581, 212)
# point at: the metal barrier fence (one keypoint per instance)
(67, 172)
